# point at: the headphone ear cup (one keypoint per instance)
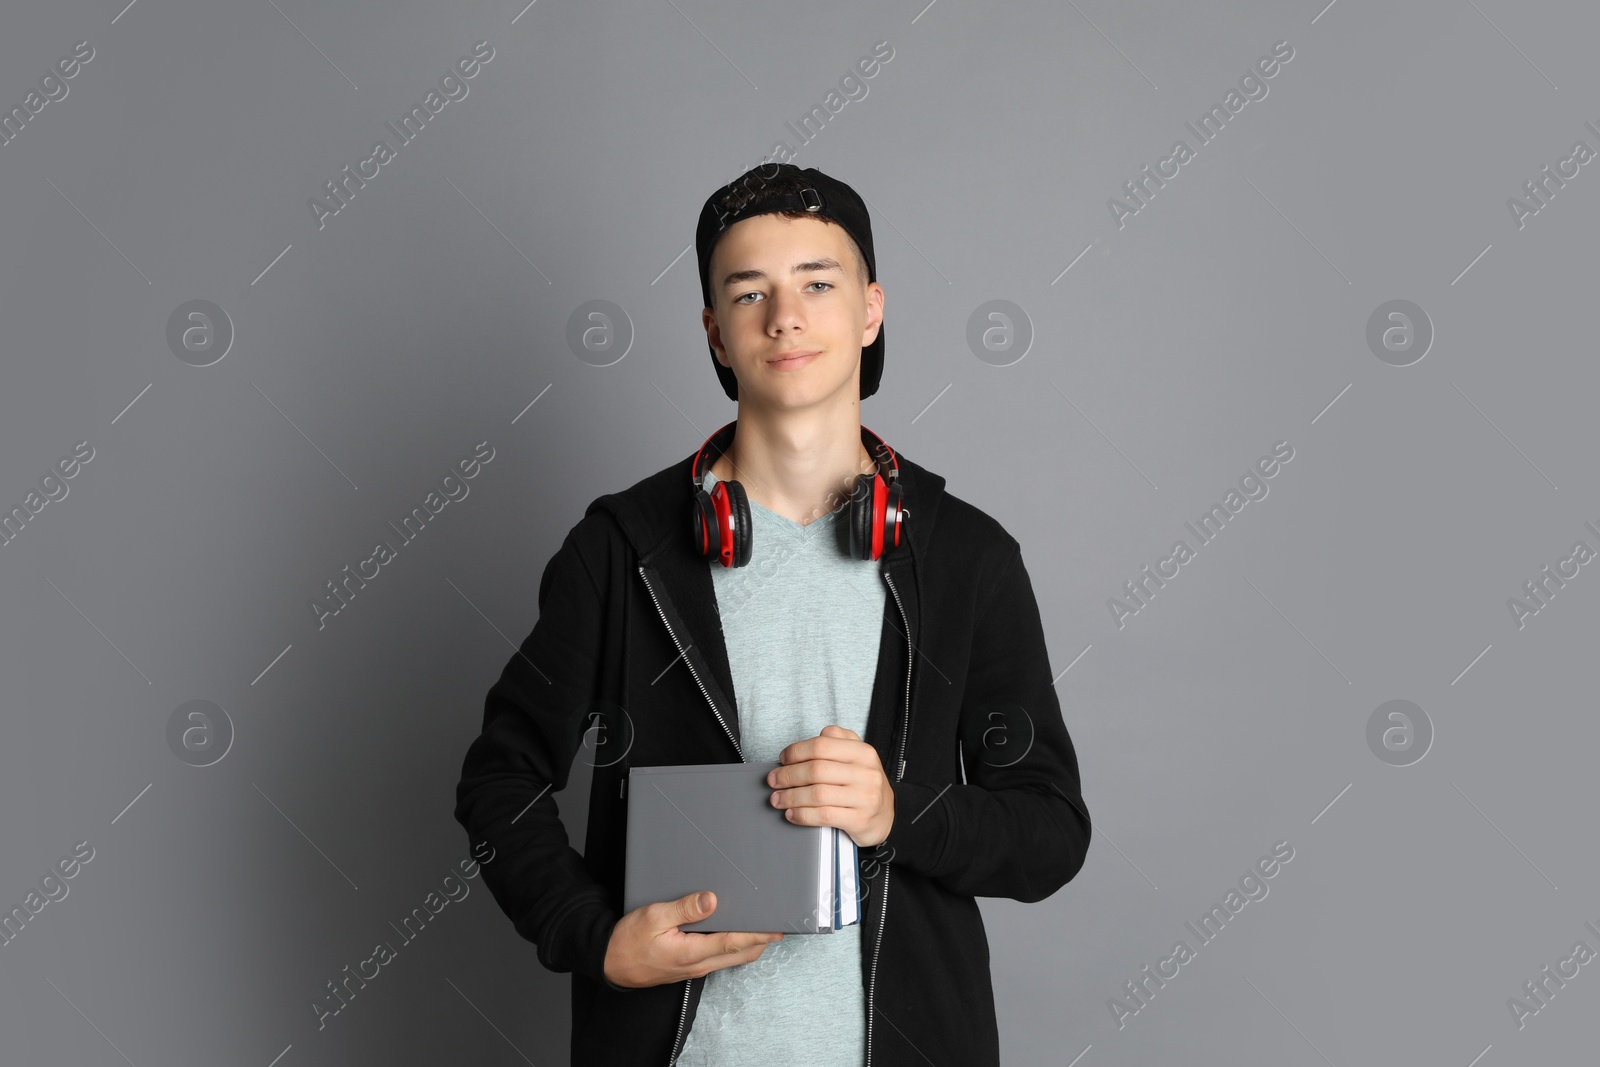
(861, 517)
(891, 528)
(739, 508)
(704, 520)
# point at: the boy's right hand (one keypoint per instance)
(648, 949)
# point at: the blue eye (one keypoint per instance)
(741, 299)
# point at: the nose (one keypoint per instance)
(785, 311)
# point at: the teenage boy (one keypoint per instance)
(834, 610)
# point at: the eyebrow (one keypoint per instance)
(825, 263)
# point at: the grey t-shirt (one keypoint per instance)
(802, 623)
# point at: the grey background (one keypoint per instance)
(1228, 314)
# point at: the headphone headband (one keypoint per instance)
(882, 455)
(721, 518)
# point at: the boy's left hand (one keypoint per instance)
(835, 779)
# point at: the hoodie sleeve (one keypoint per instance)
(534, 719)
(1017, 827)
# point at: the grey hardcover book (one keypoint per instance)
(712, 826)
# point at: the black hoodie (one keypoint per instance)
(964, 716)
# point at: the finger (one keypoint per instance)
(750, 955)
(689, 908)
(849, 751)
(811, 796)
(715, 946)
(809, 748)
(824, 772)
(819, 815)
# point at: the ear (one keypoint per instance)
(708, 320)
(875, 298)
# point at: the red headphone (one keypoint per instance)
(722, 517)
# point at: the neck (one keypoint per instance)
(800, 465)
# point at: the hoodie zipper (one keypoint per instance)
(688, 983)
(900, 770)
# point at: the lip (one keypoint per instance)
(791, 360)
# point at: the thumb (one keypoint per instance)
(696, 905)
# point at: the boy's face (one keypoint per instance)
(772, 309)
